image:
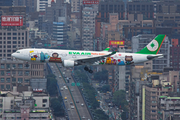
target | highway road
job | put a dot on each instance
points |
(83, 111)
(78, 100)
(72, 113)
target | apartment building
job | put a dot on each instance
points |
(6, 2)
(24, 105)
(17, 73)
(105, 8)
(88, 29)
(169, 108)
(10, 40)
(76, 5)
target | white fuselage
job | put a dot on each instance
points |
(54, 55)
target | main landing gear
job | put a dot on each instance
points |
(87, 69)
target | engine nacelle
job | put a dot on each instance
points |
(68, 63)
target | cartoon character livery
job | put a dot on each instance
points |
(70, 58)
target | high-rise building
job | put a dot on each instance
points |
(6, 2)
(17, 73)
(174, 54)
(41, 5)
(10, 40)
(122, 74)
(19, 2)
(88, 29)
(60, 33)
(76, 5)
(105, 8)
(140, 41)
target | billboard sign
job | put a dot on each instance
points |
(90, 2)
(38, 90)
(116, 43)
(11, 21)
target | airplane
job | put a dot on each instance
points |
(71, 58)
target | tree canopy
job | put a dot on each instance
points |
(52, 84)
(119, 99)
(56, 104)
(101, 76)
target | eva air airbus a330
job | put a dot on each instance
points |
(70, 58)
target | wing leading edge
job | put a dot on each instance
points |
(91, 60)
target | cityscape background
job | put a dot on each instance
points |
(146, 91)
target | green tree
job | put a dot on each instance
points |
(57, 107)
(52, 84)
(119, 98)
(102, 75)
(105, 88)
(101, 115)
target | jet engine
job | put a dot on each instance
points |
(69, 63)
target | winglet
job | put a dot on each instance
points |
(114, 52)
(106, 50)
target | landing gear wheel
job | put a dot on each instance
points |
(90, 71)
(86, 68)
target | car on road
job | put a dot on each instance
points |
(65, 87)
(65, 98)
(83, 117)
(68, 109)
(77, 101)
(71, 103)
(59, 76)
(61, 89)
(72, 90)
(72, 107)
(82, 104)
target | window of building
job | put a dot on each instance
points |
(2, 73)
(22, 33)
(2, 80)
(20, 80)
(14, 38)
(8, 73)
(8, 33)
(14, 42)
(153, 110)
(8, 80)
(2, 66)
(8, 87)
(20, 66)
(19, 38)
(26, 80)
(44, 100)
(14, 33)
(7, 66)
(2, 87)
(14, 66)
(20, 73)
(13, 79)
(9, 38)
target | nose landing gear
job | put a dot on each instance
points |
(87, 69)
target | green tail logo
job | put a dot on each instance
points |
(154, 46)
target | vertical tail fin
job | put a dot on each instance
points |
(154, 46)
(106, 50)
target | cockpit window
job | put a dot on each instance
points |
(17, 51)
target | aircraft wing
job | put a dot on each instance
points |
(91, 60)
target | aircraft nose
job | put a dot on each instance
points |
(13, 54)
